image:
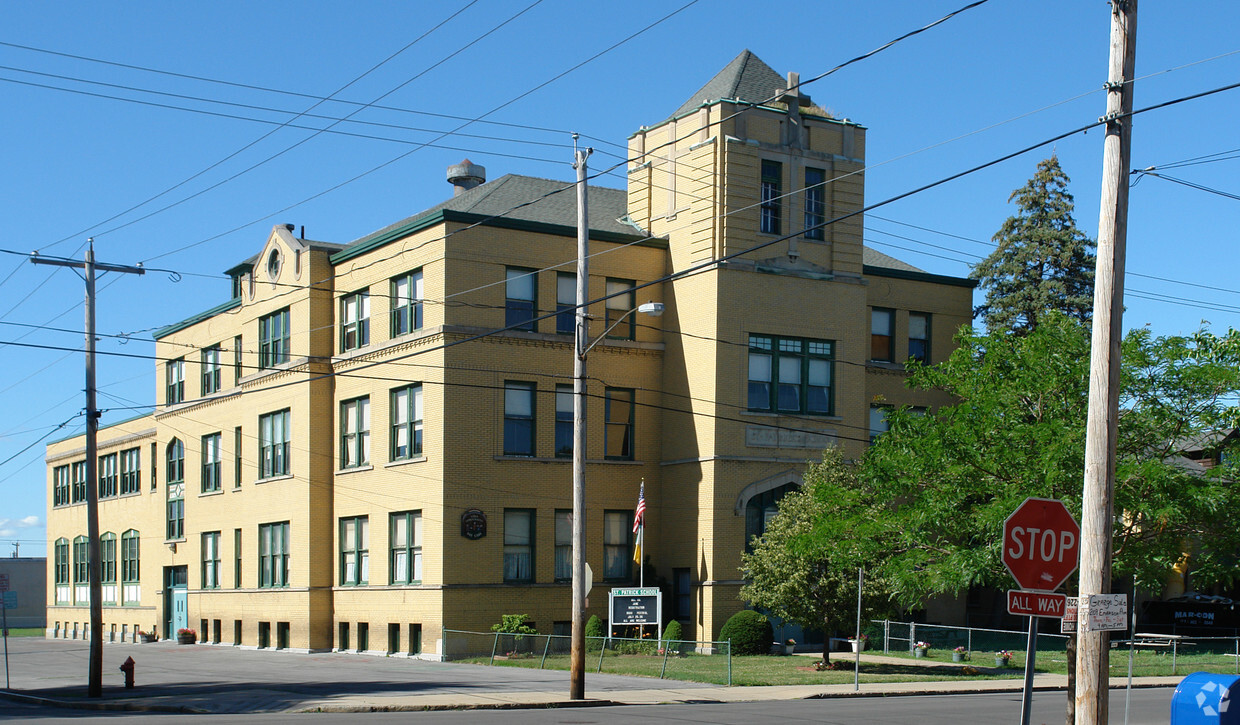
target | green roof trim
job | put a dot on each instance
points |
(919, 276)
(204, 315)
(442, 216)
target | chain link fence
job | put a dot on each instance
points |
(674, 659)
(901, 636)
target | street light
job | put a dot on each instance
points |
(577, 652)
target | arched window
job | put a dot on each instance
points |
(107, 566)
(176, 490)
(62, 570)
(81, 570)
(760, 509)
(176, 461)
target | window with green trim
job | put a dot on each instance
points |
(60, 485)
(354, 550)
(520, 298)
(273, 339)
(273, 556)
(211, 463)
(211, 560)
(791, 375)
(405, 535)
(131, 471)
(355, 321)
(176, 490)
(406, 303)
(107, 476)
(618, 431)
(406, 432)
(211, 369)
(355, 433)
(618, 309)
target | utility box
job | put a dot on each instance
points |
(1204, 697)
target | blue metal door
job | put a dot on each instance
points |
(180, 610)
(176, 599)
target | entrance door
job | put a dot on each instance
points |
(176, 599)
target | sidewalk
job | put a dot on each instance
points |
(213, 679)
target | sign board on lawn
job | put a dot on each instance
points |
(635, 605)
(1035, 604)
(1104, 612)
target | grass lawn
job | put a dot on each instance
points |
(759, 670)
(26, 631)
(1145, 662)
(798, 670)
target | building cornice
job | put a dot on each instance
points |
(919, 276)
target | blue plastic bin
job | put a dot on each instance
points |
(1204, 697)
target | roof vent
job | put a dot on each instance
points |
(466, 175)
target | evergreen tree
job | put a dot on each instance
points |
(1042, 262)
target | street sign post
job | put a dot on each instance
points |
(1041, 546)
(1035, 604)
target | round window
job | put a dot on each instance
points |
(273, 264)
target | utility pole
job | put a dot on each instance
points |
(577, 653)
(95, 685)
(1098, 498)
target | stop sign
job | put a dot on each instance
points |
(1041, 544)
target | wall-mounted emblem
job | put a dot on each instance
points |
(473, 524)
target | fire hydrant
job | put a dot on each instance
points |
(127, 668)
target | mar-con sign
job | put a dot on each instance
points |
(1041, 544)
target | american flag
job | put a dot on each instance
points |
(640, 514)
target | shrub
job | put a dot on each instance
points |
(750, 632)
(671, 636)
(594, 633)
(513, 624)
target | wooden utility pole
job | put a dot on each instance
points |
(95, 682)
(577, 648)
(1097, 503)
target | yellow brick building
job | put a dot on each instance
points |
(371, 442)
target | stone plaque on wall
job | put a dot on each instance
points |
(761, 436)
(473, 524)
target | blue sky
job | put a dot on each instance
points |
(994, 79)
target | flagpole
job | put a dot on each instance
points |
(641, 537)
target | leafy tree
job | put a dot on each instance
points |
(804, 567)
(1042, 261)
(1019, 431)
(952, 477)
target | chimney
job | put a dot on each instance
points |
(466, 175)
